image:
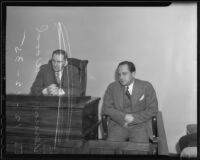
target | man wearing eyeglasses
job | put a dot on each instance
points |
(57, 77)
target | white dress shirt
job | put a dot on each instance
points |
(59, 75)
(130, 88)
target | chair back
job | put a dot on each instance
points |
(82, 67)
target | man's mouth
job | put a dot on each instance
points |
(122, 82)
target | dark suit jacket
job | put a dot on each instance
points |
(69, 83)
(144, 104)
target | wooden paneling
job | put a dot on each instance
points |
(33, 121)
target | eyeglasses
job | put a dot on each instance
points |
(59, 62)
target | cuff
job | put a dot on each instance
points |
(44, 91)
(61, 92)
(125, 124)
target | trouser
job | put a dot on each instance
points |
(133, 134)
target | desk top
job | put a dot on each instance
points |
(13, 100)
(27, 97)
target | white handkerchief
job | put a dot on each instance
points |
(141, 98)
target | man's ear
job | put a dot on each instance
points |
(133, 74)
(66, 62)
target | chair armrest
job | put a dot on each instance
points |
(154, 140)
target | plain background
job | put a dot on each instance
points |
(161, 41)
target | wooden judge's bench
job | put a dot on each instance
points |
(50, 124)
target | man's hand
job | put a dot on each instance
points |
(129, 118)
(52, 89)
(44, 91)
(61, 92)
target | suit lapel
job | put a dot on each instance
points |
(135, 92)
(121, 96)
(119, 90)
(65, 77)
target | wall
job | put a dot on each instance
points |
(161, 41)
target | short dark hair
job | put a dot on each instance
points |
(130, 65)
(62, 52)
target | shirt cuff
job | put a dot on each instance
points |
(61, 92)
(44, 91)
(125, 124)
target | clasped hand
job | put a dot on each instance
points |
(128, 119)
(52, 89)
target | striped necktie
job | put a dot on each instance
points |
(127, 92)
(127, 101)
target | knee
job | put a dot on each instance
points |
(139, 139)
(116, 138)
(117, 133)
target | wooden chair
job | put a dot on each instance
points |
(82, 67)
(158, 141)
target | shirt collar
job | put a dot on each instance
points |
(59, 73)
(130, 87)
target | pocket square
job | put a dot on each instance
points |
(141, 98)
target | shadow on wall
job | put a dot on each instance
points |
(178, 151)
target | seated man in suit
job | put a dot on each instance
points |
(130, 103)
(57, 77)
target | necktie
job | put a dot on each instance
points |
(127, 92)
(57, 74)
(127, 100)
